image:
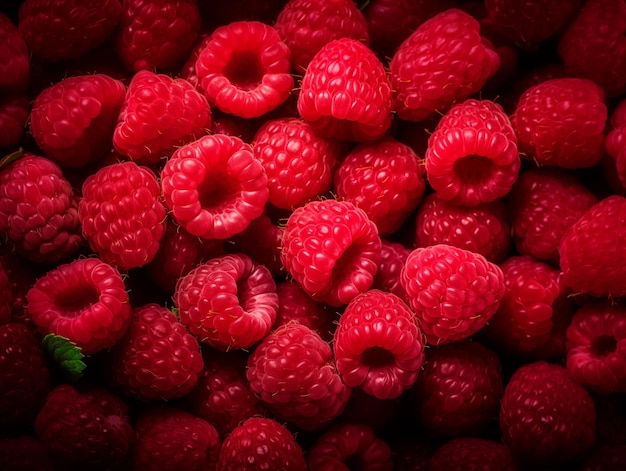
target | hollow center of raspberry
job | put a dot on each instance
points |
(72, 302)
(603, 345)
(244, 70)
(474, 169)
(216, 191)
(377, 357)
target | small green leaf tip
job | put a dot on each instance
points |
(67, 355)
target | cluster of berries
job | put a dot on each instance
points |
(313, 235)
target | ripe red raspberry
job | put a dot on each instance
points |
(73, 120)
(393, 258)
(261, 443)
(298, 163)
(345, 93)
(86, 429)
(170, 439)
(244, 69)
(542, 205)
(445, 60)
(534, 311)
(354, 445)
(459, 390)
(598, 57)
(159, 114)
(24, 453)
(482, 229)
(306, 26)
(378, 345)
(546, 417)
(156, 34)
(472, 155)
(14, 112)
(61, 30)
(39, 210)
(228, 302)
(157, 358)
(214, 186)
(14, 58)
(24, 377)
(454, 292)
(121, 214)
(293, 372)
(472, 454)
(332, 249)
(386, 179)
(560, 122)
(594, 346)
(84, 301)
(591, 261)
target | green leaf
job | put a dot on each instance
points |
(10, 158)
(66, 354)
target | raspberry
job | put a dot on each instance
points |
(244, 69)
(591, 262)
(378, 345)
(261, 443)
(459, 390)
(84, 301)
(62, 30)
(472, 155)
(445, 60)
(14, 112)
(293, 372)
(482, 229)
(169, 439)
(345, 93)
(214, 186)
(73, 120)
(156, 34)
(542, 205)
(594, 352)
(386, 179)
(545, 416)
(353, 445)
(453, 292)
(560, 122)
(393, 258)
(598, 57)
(86, 429)
(121, 214)
(159, 115)
(39, 210)
(14, 58)
(157, 358)
(332, 249)
(298, 163)
(306, 26)
(228, 302)
(24, 378)
(24, 453)
(472, 454)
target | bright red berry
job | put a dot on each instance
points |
(472, 454)
(14, 58)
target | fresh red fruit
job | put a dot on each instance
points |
(156, 34)
(453, 292)
(472, 454)
(228, 302)
(170, 439)
(214, 186)
(39, 210)
(261, 443)
(591, 261)
(472, 155)
(306, 26)
(244, 69)
(560, 122)
(73, 120)
(293, 372)
(157, 358)
(84, 301)
(24, 453)
(459, 390)
(378, 345)
(14, 112)
(546, 417)
(444, 61)
(121, 214)
(14, 58)
(24, 377)
(159, 114)
(85, 429)
(62, 30)
(393, 258)
(386, 179)
(332, 249)
(345, 93)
